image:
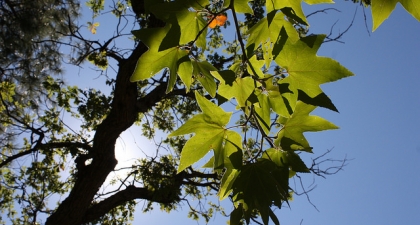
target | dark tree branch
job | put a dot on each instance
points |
(145, 103)
(90, 178)
(130, 193)
(337, 38)
(322, 11)
(305, 192)
(39, 146)
(331, 170)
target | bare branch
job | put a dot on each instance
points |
(331, 170)
(322, 11)
(337, 38)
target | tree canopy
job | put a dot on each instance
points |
(240, 101)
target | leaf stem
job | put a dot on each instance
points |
(244, 56)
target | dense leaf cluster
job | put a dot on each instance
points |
(242, 104)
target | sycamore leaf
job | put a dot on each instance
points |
(185, 69)
(210, 134)
(191, 24)
(236, 216)
(381, 10)
(286, 158)
(154, 60)
(228, 179)
(256, 65)
(241, 6)
(305, 70)
(270, 30)
(232, 86)
(277, 100)
(292, 8)
(203, 72)
(197, 4)
(185, 23)
(270, 99)
(259, 186)
(291, 135)
(156, 38)
(312, 2)
(263, 111)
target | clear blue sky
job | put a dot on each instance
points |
(379, 128)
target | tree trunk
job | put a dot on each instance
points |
(91, 177)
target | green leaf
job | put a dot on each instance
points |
(259, 186)
(228, 180)
(185, 23)
(232, 86)
(286, 158)
(191, 24)
(381, 10)
(312, 2)
(155, 59)
(210, 133)
(291, 135)
(203, 72)
(277, 100)
(185, 70)
(241, 6)
(292, 8)
(319, 100)
(155, 38)
(256, 65)
(305, 70)
(236, 216)
(273, 217)
(197, 4)
(263, 111)
(152, 62)
(269, 31)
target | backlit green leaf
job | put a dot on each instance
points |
(305, 70)
(293, 8)
(155, 59)
(261, 185)
(291, 135)
(263, 111)
(381, 10)
(210, 134)
(227, 181)
(241, 6)
(237, 87)
(269, 31)
(312, 2)
(286, 158)
(277, 100)
(152, 62)
(203, 72)
(185, 23)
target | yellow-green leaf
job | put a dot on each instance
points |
(305, 71)
(237, 87)
(381, 9)
(203, 72)
(210, 134)
(291, 135)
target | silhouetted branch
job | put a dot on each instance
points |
(322, 11)
(337, 38)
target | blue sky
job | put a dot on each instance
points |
(379, 128)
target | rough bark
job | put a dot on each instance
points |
(91, 177)
(77, 207)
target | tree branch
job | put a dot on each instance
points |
(130, 193)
